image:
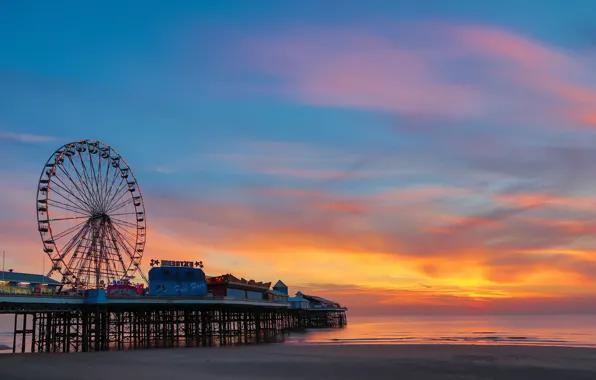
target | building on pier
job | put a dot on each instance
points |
(279, 293)
(26, 283)
(168, 280)
(99, 323)
(281, 287)
(298, 303)
(229, 286)
(316, 302)
(236, 311)
(276, 296)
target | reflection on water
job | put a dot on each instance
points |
(6, 327)
(550, 330)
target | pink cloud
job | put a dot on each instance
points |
(504, 45)
(364, 71)
(428, 71)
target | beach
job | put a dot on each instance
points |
(287, 361)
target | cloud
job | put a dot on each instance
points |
(385, 240)
(461, 72)
(25, 138)
(363, 301)
(518, 267)
(299, 161)
(372, 235)
(163, 169)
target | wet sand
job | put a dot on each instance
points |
(286, 361)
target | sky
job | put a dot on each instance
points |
(399, 157)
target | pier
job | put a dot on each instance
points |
(96, 303)
(84, 324)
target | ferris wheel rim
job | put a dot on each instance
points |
(113, 158)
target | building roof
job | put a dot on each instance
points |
(232, 281)
(280, 284)
(320, 300)
(27, 277)
(297, 299)
(276, 293)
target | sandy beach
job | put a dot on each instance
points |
(284, 361)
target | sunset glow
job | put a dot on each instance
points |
(398, 165)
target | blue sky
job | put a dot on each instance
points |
(338, 128)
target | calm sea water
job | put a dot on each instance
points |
(546, 330)
(549, 330)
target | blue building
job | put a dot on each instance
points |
(279, 293)
(281, 287)
(315, 302)
(177, 281)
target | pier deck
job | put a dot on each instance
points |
(70, 324)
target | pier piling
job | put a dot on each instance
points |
(84, 328)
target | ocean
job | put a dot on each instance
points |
(542, 330)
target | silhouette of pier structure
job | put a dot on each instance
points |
(83, 324)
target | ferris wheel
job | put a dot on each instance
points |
(91, 215)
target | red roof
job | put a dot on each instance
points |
(232, 280)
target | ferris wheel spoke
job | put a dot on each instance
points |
(129, 242)
(101, 257)
(123, 222)
(83, 187)
(97, 178)
(113, 234)
(109, 182)
(121, 205)
(128, 249)
(117, 194)
(125, 230)
(130, 239)
(70, 218)
(99, 182)
(106, 180)
(114, 254)
(87, 181)
(113, 187)
(123, 213)
(64, 206)
(84, 201)
(68, 231)
(94, 174)
(116, 258)
(75, 241)
(86, 247)
(80, 187)
(70, 206)
(117, 206)
(67, 207)
(108, 189)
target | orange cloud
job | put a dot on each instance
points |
(588, 118)
(381, 244)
